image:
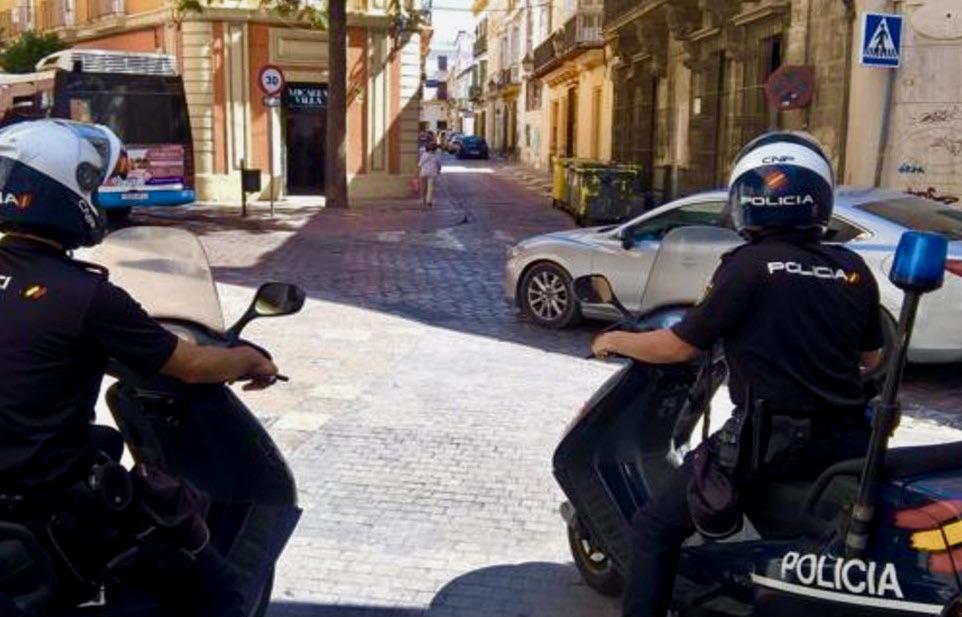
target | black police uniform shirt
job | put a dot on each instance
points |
(794, 316)
(59, 322)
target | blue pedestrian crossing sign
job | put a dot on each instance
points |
(881, 40)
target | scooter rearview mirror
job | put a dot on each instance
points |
(271, 300)
(276, 299)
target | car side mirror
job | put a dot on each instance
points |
(595, 289)
(271, 300)
(627, 239)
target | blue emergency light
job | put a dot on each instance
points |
(919, 264)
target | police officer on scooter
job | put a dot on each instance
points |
(798, 320)
(61, 321)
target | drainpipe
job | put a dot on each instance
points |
(850, 14)
(886, 119)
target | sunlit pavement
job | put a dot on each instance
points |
(421, 413)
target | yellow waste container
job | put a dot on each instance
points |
(559, 184)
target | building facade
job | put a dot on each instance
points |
(461, 77)
(481, 86)
(220, 52)
(575, 90)
(689, 77)
(435, 98)
(920, 149)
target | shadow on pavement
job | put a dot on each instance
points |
(442, 266)
(534, 589)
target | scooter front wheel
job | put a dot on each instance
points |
(595, 566)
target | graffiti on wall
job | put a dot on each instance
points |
(911, 168)
(927, 146)
(924, 154)
(933, 194)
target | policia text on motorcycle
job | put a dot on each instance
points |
(798, 320)
(62, 320)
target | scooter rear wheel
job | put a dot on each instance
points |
(595, 566)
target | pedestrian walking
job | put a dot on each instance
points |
(429, 168)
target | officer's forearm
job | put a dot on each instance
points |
(196, 364)
(656, 347)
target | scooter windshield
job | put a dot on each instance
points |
(165, 269)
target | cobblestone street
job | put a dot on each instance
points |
(422, 411)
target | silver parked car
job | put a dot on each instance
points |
(658, 273)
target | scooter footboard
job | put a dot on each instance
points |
(614, 457)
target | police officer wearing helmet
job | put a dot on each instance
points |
(798, 320)
(62, 320)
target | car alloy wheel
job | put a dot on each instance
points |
(548, 297)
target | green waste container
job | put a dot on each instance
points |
(560, 186)
(605, 193)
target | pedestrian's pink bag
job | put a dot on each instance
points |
(414, 186)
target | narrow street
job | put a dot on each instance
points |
(422, 411)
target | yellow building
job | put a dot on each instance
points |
(576, 98)
(220, 53)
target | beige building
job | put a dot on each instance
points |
(576, 92)
(220, 53)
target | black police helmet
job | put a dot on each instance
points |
(49, 170)
(781, 181)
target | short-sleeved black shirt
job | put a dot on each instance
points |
(794, 316)
(59, 322)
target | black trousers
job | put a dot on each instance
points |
(663, 524)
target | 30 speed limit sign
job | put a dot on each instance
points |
(271, 80)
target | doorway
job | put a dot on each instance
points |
(571, 127)
(305, 126)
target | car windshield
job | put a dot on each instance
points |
(472, 141)
(919, 214)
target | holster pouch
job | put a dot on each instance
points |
(122, 523)
(172, 527)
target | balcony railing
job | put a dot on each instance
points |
(584, 29)
(480, 46)
(615, 10)
(98, 9)
(55, 14)
(510, 76)
(543, 54)
(581, 31)
(16, 21)
(475, 92)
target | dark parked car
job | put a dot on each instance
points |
(473, 148)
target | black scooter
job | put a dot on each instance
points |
(205, 434)
(871, 536)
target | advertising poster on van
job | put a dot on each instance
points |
(153, 167)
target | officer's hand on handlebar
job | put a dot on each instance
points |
(603, 345)
(261, 371)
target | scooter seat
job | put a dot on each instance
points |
(787, 508)
(776, 509)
